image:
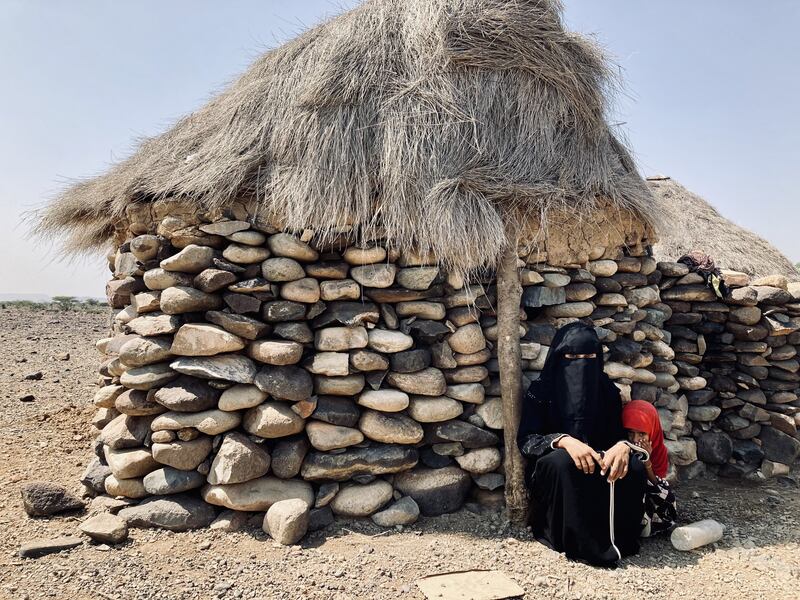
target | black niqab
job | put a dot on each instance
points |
(574, 396)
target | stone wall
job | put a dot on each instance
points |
(247, 365)
(738, 370)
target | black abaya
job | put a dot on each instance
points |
(570, 510)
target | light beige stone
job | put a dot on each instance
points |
(357, 500)
(343, 289)
(421, 309)
(192, 259)
(304, 290)
(375, 276)
(364, 256)
(384, 340)
(335, 339)
(384, 400)
(282, 269)
(210, 422)
(287, 245)
(472, 393)
(275, 352)
(434, 409)
(258, 494)
(245, 255)
(272, 420)
(324, 436)
(241, 396)
(390, 428)
(201, 339)
(467, 339)
(491, 411)
(141, 351)
(329, 363)
(417, 278)
(480, 460)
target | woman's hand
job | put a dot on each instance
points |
(582, 455)
(615, 461)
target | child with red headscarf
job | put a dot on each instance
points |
(640, 419)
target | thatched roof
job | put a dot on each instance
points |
(438, 122)
(692, 224)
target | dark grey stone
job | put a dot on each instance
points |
(410, 361)
(337, 410)
(436, 491)
(176, 513)
(779, 447)
(535, 296)
(714, 447)
(187, 394)
(94, 476)
(347, 313)
(295, 331)
(747, 451)
(320, 518)
(468, 434)
(425, 331)
(43, 498)
(241, 303)
(378, 459)
(283, 310)
(285, 382)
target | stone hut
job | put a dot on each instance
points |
(736, 356)
(329, 281)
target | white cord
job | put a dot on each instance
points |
(611, 519)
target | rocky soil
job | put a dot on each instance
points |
(48, 437)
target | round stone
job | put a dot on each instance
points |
(275, 352)
(272, 420)
(245, 255)
(201, 339)
(187, 394)
(160, 279)
(348, 385)
(167, 480)
(384, 340)
(258, 494)
(603, 268)
(282, 269)
(249, 238)
(284, 244)
(364, 256)
(421, 309)
(141, 351)
(127, 488)
(147, 377)
(433, 409)
(403, 512)
(324, 436)
(436, 491)
(576, 310)
(384, 400)
(374, 276)
(210, 422)
(345, 289)
(480, 460)
(356, 500)
(467, 339)
(241, 396)
(304, 290)
(337, 339)
(286, 521)
(428, 382)
(390, 428)
(417, 278)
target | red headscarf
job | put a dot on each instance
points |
(640, 415)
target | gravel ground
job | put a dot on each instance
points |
(49, 438)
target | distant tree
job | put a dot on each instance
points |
(91, 302)
(65, 302)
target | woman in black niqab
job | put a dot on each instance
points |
(571, 416)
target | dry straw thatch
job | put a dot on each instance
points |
(437, 122)
(692, 224)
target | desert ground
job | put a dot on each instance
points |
(49, 438)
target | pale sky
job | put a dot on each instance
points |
(711, 99)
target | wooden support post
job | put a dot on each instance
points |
(509, 294)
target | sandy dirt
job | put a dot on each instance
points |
(49, 438)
